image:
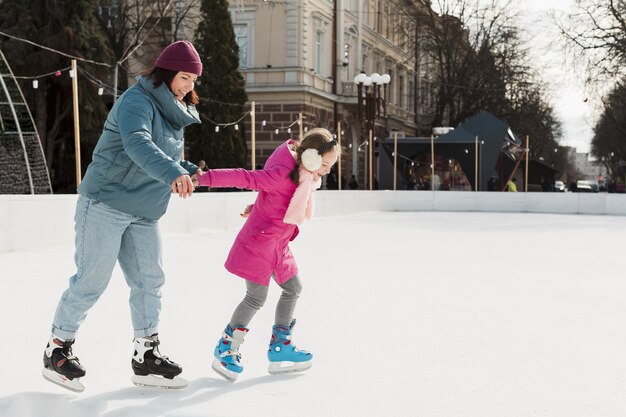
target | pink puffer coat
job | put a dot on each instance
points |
(261, 248)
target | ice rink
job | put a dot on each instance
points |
(429, 314)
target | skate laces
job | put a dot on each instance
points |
(66, 348)
(234, 343)
(231, 353)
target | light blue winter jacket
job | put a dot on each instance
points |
(138, 154)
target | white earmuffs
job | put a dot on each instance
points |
(311, 159)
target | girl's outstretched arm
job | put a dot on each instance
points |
(259, 180)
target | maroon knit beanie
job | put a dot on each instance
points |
(180, 56)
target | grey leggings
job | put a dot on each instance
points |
(255, 298)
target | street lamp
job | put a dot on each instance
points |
(369, 102)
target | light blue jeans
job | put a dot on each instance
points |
(103, 236)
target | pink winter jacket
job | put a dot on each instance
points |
(261, 248)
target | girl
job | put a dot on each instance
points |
(135, 167)
(261, 250)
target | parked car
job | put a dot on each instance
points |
(586, 187)
(559, 186)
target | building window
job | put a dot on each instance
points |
(411, 96)
(391, 88)
(320, 40)
(401, 91)
(366, 52)
(378, 63)
(386, 21)
(319, 47)
(241, 37)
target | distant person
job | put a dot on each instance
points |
(353, 184)
(573, 187)
(437, 182)
(512, 185)
(286, 187)
(492, 184)
(332, 182)
(411, 183)
(135, 168)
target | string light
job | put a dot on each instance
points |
(279, 128)
(101, 88)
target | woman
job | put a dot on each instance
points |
(135, 167)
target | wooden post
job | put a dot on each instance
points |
(526, 170)
(76, 122)
(370, 145)
(395, 159)
(253, 137)
(338, 156)
(476, 166)
(432, 162)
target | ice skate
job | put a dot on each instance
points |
(227, 360)
(152, 370)
(61, 367)
(283, 355)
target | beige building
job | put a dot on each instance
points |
(301, 57)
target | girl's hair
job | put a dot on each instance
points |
(319, 139)
(159, 76)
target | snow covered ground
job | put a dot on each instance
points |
(407, 314)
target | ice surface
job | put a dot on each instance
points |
(407, 314)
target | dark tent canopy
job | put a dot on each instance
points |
(495, 139)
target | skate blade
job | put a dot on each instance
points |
(224, 372)
(157, 381)
(286, 367)
(56, 378)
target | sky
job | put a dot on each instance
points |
(416, 314)
(573, 104)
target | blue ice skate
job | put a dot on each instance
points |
(227, 360)
(283, 355)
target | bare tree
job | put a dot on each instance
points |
(596, 35)
(477, 61)
(138, 28)
(479, 58)
(608, 142)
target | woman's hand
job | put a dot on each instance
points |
(183, 186)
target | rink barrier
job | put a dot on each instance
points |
(31, 221)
